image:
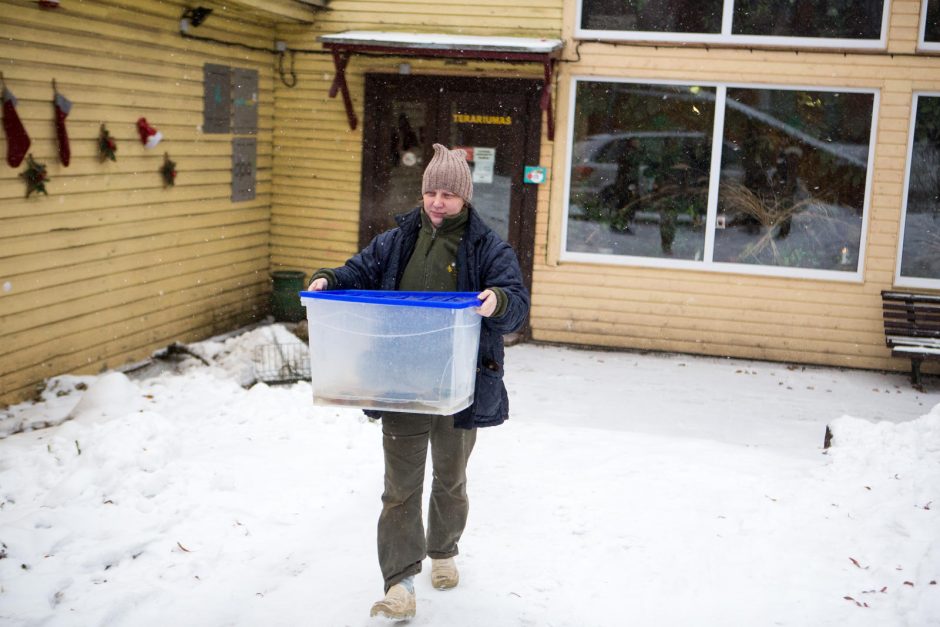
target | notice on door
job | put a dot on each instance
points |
(484, 160)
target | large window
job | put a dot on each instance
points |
(667, 16)
(828, 23)
(930, 25)
(640, 169)
(919, 253)
(792, 187)
(753, 179)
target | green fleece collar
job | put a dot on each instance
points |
(449, 224)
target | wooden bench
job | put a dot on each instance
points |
(912, 327)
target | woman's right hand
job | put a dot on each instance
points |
(317, 285)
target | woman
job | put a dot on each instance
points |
(443, 245)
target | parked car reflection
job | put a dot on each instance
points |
(607, 167)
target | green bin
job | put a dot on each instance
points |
(285, 300)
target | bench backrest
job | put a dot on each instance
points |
(911, 315)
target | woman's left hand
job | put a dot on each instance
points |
(489, 303)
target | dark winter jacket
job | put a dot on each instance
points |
(484, 260)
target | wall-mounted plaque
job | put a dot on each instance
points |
(244, 101)
(244, 168)
(217, 98)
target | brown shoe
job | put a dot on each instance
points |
(444, 575)
(398, 604)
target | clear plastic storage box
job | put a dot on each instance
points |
(395, 351)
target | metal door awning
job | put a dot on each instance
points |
(512, 49)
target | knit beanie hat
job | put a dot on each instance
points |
(448, 170)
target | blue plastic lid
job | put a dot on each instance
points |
(441, 300)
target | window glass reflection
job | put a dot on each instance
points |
(793, 175)
(818, 19)
(920, 255)
(668, 16)
(405, 156)
(832, 19)
(932, 23)
(639, 171)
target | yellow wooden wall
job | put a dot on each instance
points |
(110, 265)
(317, 158)
(317, 165)
(809, 321)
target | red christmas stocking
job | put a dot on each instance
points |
(62, 107)
(17, 139)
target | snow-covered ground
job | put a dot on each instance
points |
(626, 489)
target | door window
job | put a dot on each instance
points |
(491, 133)
(496, 121)
(405, 155)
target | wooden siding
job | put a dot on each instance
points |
(520, 18)
(110, 266)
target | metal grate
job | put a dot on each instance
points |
(277, 363)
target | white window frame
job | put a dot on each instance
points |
(899, 279)
(707, 263)
(922, 43)
(727, 38)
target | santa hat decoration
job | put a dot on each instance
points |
(149, 136)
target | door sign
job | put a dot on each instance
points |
(484, 159)
(534, 175)
(463, 118)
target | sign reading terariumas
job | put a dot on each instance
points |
(466, 118)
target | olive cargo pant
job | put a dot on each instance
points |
(401, 538)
